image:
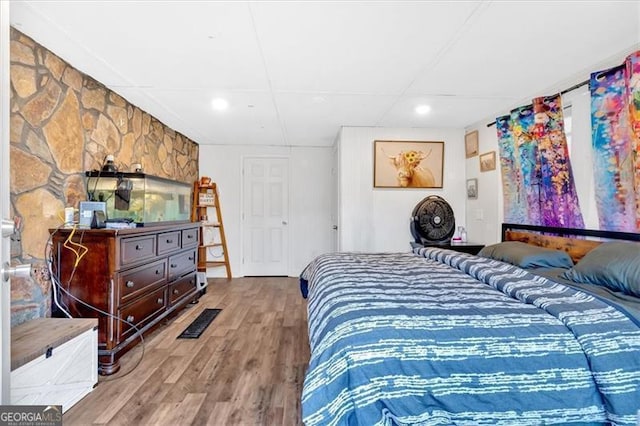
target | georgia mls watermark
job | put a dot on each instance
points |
(30, 415)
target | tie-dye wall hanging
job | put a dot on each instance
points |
(615, 126)
(517, 174)
(538, 184)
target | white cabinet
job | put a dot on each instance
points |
(54, 361)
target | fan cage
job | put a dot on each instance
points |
(433, 221)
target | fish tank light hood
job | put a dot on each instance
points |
(139, 197)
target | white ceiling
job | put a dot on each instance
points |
(294, 72)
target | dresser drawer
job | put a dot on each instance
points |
(136, 281)
(135, 249)
(141, 311)
(182, 288)
(180, 264)
(189, 237)
(168, 241)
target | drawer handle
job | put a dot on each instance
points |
(130, 284)
(190, 257)
(160, 301)
(176, 291)
(139, 247)
(169, 241)
(130, 318)
(157, 271)
(189, 236)
(174, 265)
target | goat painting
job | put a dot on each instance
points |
(408, 164)
(409, 172)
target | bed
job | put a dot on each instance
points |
(438, 337)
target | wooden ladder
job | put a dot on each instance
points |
(205, 196)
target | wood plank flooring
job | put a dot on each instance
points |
(247, 368)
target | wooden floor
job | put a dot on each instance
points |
(246, 369)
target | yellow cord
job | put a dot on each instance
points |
(80, 252)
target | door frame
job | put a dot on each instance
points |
(243, 159)
(335, 198)
(5, 287)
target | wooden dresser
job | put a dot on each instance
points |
(136, 276)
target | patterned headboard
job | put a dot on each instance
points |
(576, 242)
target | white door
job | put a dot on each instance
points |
(265, 225)
(5, 293)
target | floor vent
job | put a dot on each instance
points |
(200, 324)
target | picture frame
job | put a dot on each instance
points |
(488, 161)
(408, 164)
(472, 189)
(471, 144)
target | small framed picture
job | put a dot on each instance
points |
(471, 144)
(488, 161)
(472, 189)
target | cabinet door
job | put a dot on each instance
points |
(181, 263)
(168, 241)
(182, 288)
(141, 311)
(136, 249)
(135, 282)
(189, 237)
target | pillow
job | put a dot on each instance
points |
(613, 265)
(526, 255)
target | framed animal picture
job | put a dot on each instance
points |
(488, 161)
(471, 144)
(408, 164)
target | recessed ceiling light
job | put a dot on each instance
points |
(219, 104)
(423, 109)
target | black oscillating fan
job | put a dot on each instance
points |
(432, 221)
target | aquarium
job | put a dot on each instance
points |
(139, 197)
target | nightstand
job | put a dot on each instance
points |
(471, 248)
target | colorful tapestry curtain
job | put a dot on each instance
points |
(519, 173)
(615, 126)
(538, 184)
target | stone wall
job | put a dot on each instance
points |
(63, 123)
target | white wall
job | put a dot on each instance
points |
(377, 219)
(310, 192)
(484, 215)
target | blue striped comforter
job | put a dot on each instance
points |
(440, 337)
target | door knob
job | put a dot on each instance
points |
(8, 228)
(284, 222)
(22, 271)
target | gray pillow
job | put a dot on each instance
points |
(613, 265)
(526, 255)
